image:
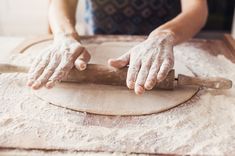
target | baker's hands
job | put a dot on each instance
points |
(56, 61)
(149, 62)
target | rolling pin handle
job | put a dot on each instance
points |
(214, 82)
(10, 68)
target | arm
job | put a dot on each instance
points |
(62, 17)
(151, 60)
(58, 59)
(189, 22)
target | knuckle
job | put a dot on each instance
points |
(31, 77)
(41, 66)
(57, 56)
(170, 60)
(67, 66)
(86, 54)
(162, 42)
(77, 47)
(38, 72)
(159, 58)
(59, 71)
(154, 69)
(49, 72)
(166, 65)
(143, 73)
(133, 69)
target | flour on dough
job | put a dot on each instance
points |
(115, 100)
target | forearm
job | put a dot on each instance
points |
(62, 17)
(192, 18)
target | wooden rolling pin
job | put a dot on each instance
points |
(101, 74)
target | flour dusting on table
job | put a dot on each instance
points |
(204, 125)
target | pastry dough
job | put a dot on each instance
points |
(115, 100)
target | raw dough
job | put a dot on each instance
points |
(114, 100)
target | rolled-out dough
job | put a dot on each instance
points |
(115, 100)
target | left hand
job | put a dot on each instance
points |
(149, 62)
(56, 61)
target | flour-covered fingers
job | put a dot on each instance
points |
(49, 70)
(121, 61)
(68, 57)
(132, 73)
(31, 77)
(152, 75)
(36, 61)
(38, 68)
(166, 66)
(61, 71)
(142, 76)
(82, 60)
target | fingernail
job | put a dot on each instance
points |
(139, 90)
(148, 87)
(130, 84)
(36, 85)
(50, 84)
(82, 66)
(29, 83)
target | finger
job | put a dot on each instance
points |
(61, 71)
(66, 64)
(32, 68)
(49, 70)
(35, 63)
(142, 76)
(121, 61)
(82, 60)
(37, 68)
(132, 73)
(166, 66)
(152, 75)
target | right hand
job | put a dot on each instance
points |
(56, 61)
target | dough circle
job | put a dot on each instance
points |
(115, 100)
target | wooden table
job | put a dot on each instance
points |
(52, 130)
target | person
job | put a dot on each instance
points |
(149, 61)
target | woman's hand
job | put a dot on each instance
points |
(56, 61)
(149, 62)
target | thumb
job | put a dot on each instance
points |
(121, 61)
(82, 60)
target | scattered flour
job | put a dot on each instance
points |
(203, 125)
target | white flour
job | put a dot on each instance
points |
(204, 125)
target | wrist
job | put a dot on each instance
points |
(63, 35)
(167, 34)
